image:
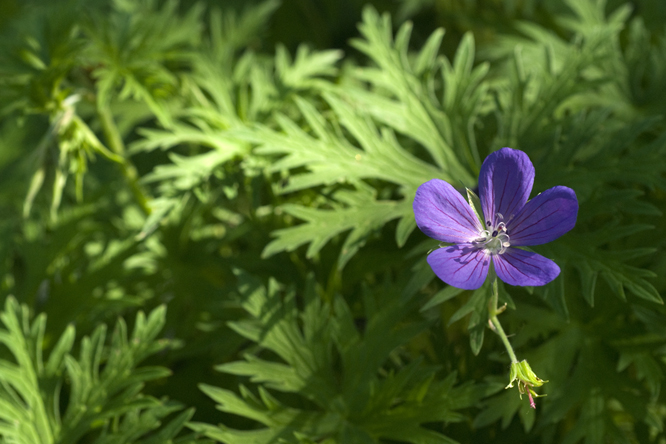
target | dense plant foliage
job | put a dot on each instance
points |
(253, 194)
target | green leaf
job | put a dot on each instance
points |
(350, 403)
(442, 296)
(363, 216)
(102, 387)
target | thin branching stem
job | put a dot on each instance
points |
(493, 311)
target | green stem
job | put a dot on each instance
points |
(115, 142)
(493, 310)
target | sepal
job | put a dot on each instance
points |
(522, 373)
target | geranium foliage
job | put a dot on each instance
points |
(245, 172)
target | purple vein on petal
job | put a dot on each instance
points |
(511, 205)
(518, 267)
(514, 256)
(442, 213)
(524, 217)
(463, 265)
(514, 228)
(505, 182)
(464, 235)
(545, 218)
(455, 207)
(469, 261)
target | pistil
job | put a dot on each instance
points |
(496, 239)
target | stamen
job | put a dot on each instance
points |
(499, 218)
(495, 242)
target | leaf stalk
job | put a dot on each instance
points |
(115, 142)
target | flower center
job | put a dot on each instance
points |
(496, 238)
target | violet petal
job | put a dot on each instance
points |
(505, 182)
(545, 218)
(443, 214)
(463, 266)
(524, 268)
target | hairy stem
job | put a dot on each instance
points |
(493, 310)
(115, 142)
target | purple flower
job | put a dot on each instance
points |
(509, 221)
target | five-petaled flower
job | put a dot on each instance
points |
(509, 221)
